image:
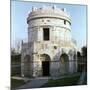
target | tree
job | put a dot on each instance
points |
(84, 51)
(84, 57)
(78, 54)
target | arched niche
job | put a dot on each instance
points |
(64, 63)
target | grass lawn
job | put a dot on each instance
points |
(69, 81)
(16, 83)
(85, 80)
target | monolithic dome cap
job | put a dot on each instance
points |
(46, 11)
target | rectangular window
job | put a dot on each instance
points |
(65, 22)
(46, 33)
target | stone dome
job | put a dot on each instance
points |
(49, 12)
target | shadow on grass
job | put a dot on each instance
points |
(16, 83)
(67, 81)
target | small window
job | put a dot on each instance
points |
(65, 22)
(46, 33)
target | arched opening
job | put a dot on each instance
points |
(64, 64)
(45, 64)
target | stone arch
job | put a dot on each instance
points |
(64, 57)
(70, 52)
(45, 58)
(64, 63)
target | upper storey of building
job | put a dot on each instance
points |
(48, 12)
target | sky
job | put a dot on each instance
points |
(19, 13)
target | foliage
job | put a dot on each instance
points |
(78, 54)
(16, 65)
(84, 51)
(16, 59)
(82, 59)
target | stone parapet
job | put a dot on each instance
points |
(50, 13)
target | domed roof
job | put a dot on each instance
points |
(48, 12)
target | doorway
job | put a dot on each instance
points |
(45, 68)
(45, 58)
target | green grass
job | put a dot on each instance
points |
(85, 80)
(69, 81)
(16, 83)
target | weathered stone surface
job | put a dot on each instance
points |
(48, 45)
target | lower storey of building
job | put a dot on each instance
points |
(48, 68)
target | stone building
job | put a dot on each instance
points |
(50, 50)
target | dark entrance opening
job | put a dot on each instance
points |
(46, 33)
(45, 68)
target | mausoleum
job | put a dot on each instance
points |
(50, 50)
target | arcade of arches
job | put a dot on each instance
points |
(46, 64)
